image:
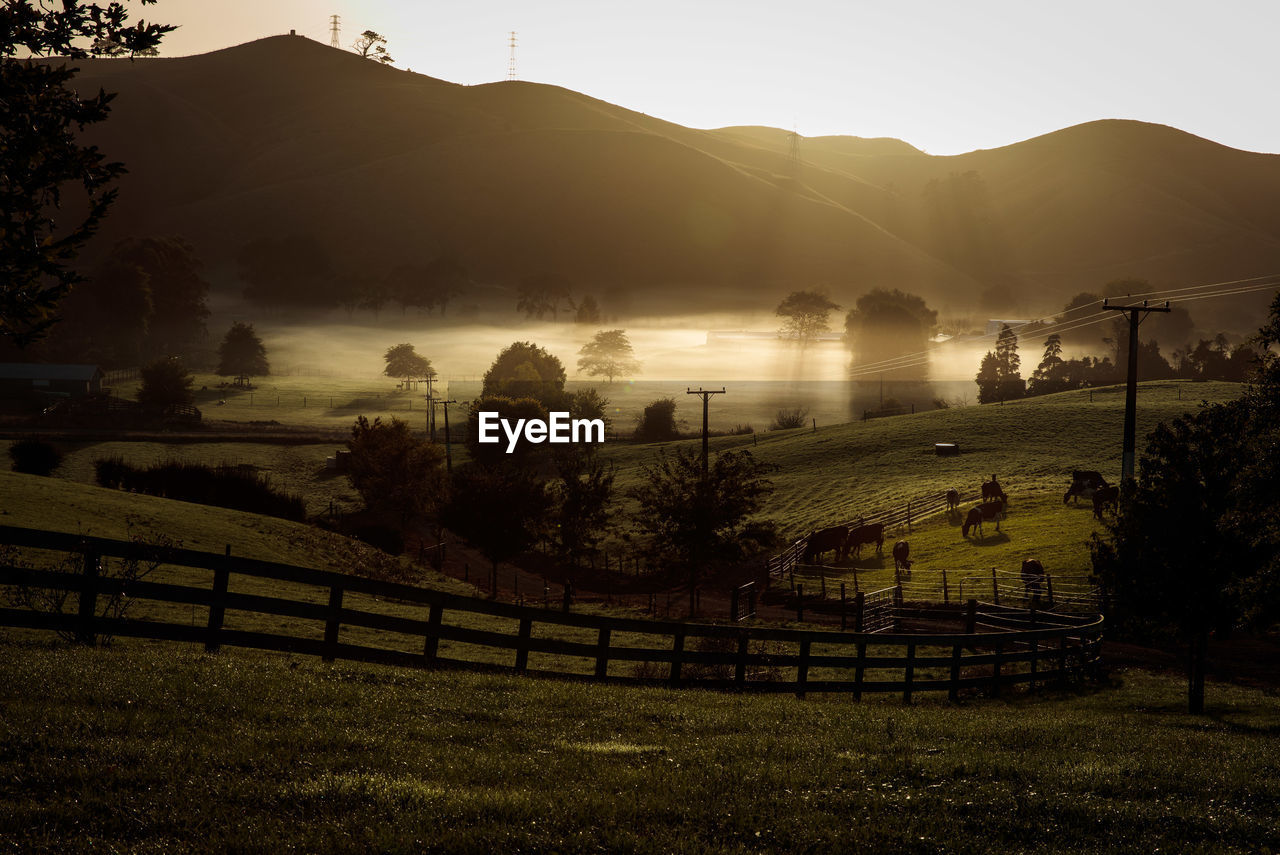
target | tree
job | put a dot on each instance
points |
(511, 409)
(1047, 377)
(166, 384)
(807, 314)
(242, 354)
(1077, 319)
(886, 325)
(607, 355)
(588, 311)
(583, 490)
(698, 520)
(542, 293)
(658, 422)
(55, 191)
(395, 472)
(373, 46)
(499, 510)
(403, 361)
(998, 378)
(1195, 545)
(525, 370)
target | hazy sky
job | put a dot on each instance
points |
(945, 75)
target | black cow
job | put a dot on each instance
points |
(1033, 580)
(991, 490)
(1084, 482)
(984, 512)
(827, 540)
(902, 557)
(1103, 498)
(953, 499)
(873, 533)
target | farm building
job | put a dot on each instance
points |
(18, 379)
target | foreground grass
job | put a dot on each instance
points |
(150, 747)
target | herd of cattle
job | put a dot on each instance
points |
(847, 540)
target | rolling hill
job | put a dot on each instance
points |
(287, 136)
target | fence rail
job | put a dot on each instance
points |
(1023, 648)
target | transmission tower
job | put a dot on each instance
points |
(511, 60)
(334, 20)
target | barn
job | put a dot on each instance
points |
(19, 379)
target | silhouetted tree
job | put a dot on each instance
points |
(885, 325)
(701, 520)
(542, 294)
(513, 410)
(1079, 319)
(403, 361)
(807, 314)
(588, 311)
(499, 510)
(583, 490)
(525, 370)
(394, 471)
(370, 45)
(607, 355)
(242, 354)
(43, 162)
(166, 384)
(1047, 377)
(657, 423)
(998, 376)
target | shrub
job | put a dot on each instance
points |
(34, 457)
(658, 423)
(225, 486)
(788, 419)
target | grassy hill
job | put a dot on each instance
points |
(287, 136)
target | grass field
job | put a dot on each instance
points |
(146, 747)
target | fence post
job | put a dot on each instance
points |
(859, 603)
(1048, 578)
(218, 604)
(522, 645)
(88, 598)
(677, 652)
(971, 617)
(602, 654)
(995, 588)
(733, 605)
(843, 606)
(431, 645)
(911, 670)
(333, 624)
(897, 596)
(800, 603)
(802, 669)
(946, 599)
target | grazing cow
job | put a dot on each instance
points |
(1084, 483)
(1105, 497)
(1033, 580)
(991, 490)
(902, 557)
(953, 499)
(984, 512)
(827, 540)
(873, 533)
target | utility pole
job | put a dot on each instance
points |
(1131, 387)
(706, 397)
(448, 450)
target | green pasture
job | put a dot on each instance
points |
(153, 747)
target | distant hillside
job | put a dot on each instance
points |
(287, 136)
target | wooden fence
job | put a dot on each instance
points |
(1019, 647)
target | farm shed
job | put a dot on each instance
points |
(73, 381)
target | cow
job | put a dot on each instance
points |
(872, 533)
(1084, 482)
(953, 499)
(827, 540)
(902, 557)
(991, 490)
(1032, 580)
(1103, 498)
(982, 513)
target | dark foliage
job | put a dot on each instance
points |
(583, 490)
(242, 353)
(41, 155)
(513, 410)
(525, 370)
(225, 486)
(789, 419)
(499, 510)
(658, 422)
(166, 385)
(395, 472)
(887, 324)
(34, 457)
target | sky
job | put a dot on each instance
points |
(947, 76)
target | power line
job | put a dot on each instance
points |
(334, 22)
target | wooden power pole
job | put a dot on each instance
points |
(1131, 386)
(706, 397)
